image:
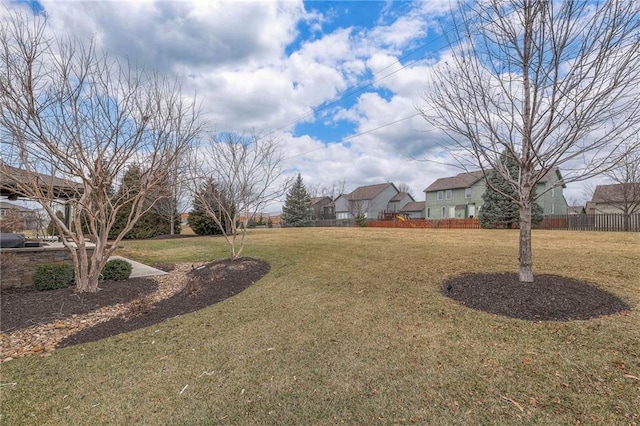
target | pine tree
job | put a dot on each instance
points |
(498, 210)
(199, 220)
(297, 205)
(150, 224)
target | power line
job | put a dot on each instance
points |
(355, 136)
(361, 88)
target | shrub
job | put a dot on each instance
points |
(52, 276)
(116, 270)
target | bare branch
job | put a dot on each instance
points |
(73, 120)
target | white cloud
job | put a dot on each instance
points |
(236, 57)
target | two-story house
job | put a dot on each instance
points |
(457, 196)
(370, 201)
(460, 196)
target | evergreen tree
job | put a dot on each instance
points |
(150, 224)
(297, 205)
(498, 209)
(200, 220)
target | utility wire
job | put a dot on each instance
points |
(358, 89)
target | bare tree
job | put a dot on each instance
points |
(248, 176)
(404, 187)
(553, 84)
(68, 110)
(11, 221)
(172, 197)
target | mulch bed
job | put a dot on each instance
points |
(208, 284)
(548, 298)
(22, 308)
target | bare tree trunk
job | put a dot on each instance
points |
(525, 253)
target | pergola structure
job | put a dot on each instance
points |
(14, 184)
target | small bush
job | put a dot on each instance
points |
(116, 270)
(52, 276)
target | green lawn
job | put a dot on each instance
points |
(350, 327)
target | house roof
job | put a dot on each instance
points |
(465, 180)
(616, 193)
(10, 206)
(575, 209)
(316, 200)
(368, 192)
(461, 180)
(13, 178)
(414, 206)
(401, 196)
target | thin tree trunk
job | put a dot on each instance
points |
(525, 254)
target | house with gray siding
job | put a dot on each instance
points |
(460, 196)
(371, 201)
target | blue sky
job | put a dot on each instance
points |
(338, 83)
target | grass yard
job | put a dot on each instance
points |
(350, 327)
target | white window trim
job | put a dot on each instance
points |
(443, 212)
(448, 194)
(467, 193)
(440, 195)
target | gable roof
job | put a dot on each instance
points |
(616, 193)
(465, 180)
(316, 200)
(461, 180)
(401, 196)
(414, 206)
(368, 192)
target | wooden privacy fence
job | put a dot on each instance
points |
(426, 223)
(569, 222)
(592, 222)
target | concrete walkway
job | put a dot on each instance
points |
(139, 269)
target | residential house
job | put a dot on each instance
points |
(575, 210)
(17, 217)
(617, 198)
(399, 201)
(322, 208)
(413, 210)
(460, 196)
(457, 196)
(370, 201)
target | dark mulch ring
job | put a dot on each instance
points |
(549, 298)
(206, 285)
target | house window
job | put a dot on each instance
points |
(444, 211)
(440, 195)
(449, 194)
(553, 206)
(553, 191)
(467, 193)
(428, 212)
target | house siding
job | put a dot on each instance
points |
(433, 206)
(459, 207)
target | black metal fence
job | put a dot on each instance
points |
(593, 222)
